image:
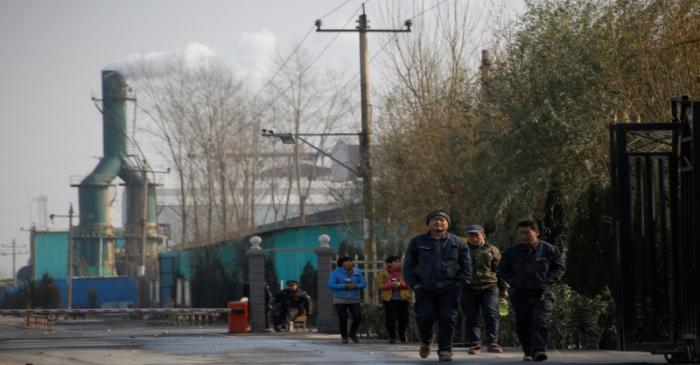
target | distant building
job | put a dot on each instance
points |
(277, 202)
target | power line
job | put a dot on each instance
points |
(381, 49)
(14, 254)
(336, 8)
(298, 46)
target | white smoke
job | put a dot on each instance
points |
(251, 57)
(255, 55)
(156, 64)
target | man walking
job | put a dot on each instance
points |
(436, 266)
(482, 293)
(531, 267)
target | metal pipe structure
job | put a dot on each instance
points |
(95, 247)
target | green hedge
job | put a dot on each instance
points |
(578, 322)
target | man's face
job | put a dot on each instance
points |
(348, 265)
(438, 225)
(475, 238)
(528, 235)
(293, 287)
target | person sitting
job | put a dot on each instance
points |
(290, 304)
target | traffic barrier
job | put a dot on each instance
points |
(174, 316)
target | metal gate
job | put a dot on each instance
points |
(657, 246)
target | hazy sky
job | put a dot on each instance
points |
(52, 52)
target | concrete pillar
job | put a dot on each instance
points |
(326, 320)
(256, 280)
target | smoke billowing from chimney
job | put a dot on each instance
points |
(155, 64)
(250, 57)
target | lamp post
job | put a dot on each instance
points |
(69, 276)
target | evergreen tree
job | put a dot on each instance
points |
(590, 260)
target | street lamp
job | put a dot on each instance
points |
(69, 276)
(324, 239)
(291, 138)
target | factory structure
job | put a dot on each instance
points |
(99, 265)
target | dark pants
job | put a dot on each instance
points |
(431, 306)
(533, 313)
(485, 300)
(285, 314)
(343, 310)
(396, 311)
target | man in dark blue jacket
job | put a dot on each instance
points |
(531, 267)
(436, 266)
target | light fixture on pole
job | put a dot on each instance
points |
(291, 138)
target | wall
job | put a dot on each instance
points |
(289, 265)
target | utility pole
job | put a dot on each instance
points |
(14, 254)
(69, 279)
(142, 268)
(369, 221)
(69, 276)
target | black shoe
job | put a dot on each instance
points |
(392, 341)
(424, 350)
(402, 339)
(444, 356)
(344, 340)
(354, 339)
(539, 356)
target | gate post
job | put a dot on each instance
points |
(326, 321)
(256, 282)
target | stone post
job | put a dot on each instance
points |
(326, 320)
(256, 281)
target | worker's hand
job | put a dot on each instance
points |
(503, 293)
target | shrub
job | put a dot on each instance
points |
(578, 322)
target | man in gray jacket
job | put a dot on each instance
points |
(436, 266)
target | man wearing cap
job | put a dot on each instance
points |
(482, 292)
(291, 303)
(436, 266)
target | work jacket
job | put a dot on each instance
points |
(531, 269)
(485, 259)
(295, 299)
(437, 265)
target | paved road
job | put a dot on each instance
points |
(127, 342)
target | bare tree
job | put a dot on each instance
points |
(308, 100)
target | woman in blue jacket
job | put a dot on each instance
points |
(345, 283)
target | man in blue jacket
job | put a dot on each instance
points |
(531, 267)
(436, 266)
(345, 283)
